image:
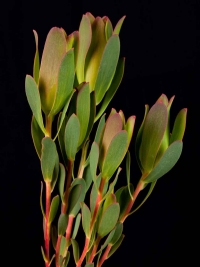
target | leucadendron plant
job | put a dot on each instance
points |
(70, 90)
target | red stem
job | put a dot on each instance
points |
(105, 255)
(94, 249)
(69, 227)
(57, 250)
(98, 201)
(87, 240)
(85, 250)
(135, 194)
(47, 226)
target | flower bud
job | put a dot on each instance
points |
(157, 150)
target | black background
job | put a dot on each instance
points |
(161, 43)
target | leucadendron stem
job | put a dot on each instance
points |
(47, 225)
(136, 192)
(93, 220)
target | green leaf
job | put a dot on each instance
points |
(36, 65)
(54, 236)
(61, 181)
(100, 129)
(48, 158)
(119, 25)
(66, 260)
(74, 197)
(113, 87)
(110, 199)
(139, 138)
(86, 219)
(92, 238)
(72, 133)
(129, 127)
(128, 169)
(152, 185)
(107, 241)
(90, 16)
(166, 163)
(61, 135)
(116, 246)
(119, 192)
(87, 176)
(76, 251)
(94, 55)
(94, 157)
(63, 114)
(83, 110)
(33, 98)
(179, 126)
(109, 219)
(37, 136)
(92, 115)
(53, 53)
(113, 126)
(123, 197)
(80, 182)
(107, 67)
(117, 233)
(62, 224)
(85, 37)
(89, 265)
(53, 208)
(153, 132)
(63, 245)
(76, 225)
(55, 174)
(65, 82)
(108, 28)
(41, 205)
(43, 255)
(115, 154)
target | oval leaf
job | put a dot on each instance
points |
(76, 226)
(65, 82)
(76, 251)
(179, 126)
(34, 101)
(107, 67)
(37, 136)
(62, 224)
(115, 154)
(53, 53)
(109, 219)
(85, 37)
(139, 137)
(61, 182)
(166, 163)
(74, 197)
(83, 110)
(48, 158)
(80, 182)
(153, 132)
(113, 87)
(86, 219)
(72, 133)
(54, 208)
